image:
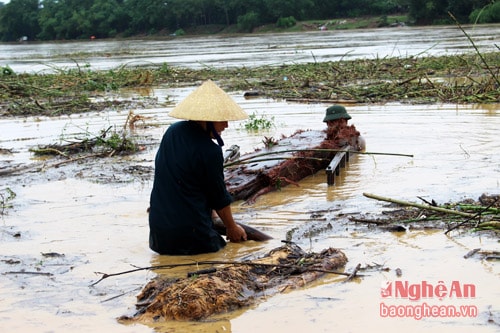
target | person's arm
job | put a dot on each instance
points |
(234, 232)
(361, 143)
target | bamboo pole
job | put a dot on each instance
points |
(253, 157)
(412, 204)
(250, 161)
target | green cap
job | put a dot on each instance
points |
(336, 112)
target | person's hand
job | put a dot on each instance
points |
(236, 233)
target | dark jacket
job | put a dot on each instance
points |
(188, 185)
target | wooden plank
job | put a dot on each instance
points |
(338, 162)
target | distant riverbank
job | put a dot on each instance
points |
(366, 22)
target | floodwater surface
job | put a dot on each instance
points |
(68, 225)
(102, 227)
(250, 50)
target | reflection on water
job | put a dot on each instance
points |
(103, 227)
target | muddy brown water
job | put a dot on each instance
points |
(91, 217)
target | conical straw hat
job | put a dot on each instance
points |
(208, 103)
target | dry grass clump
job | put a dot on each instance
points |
(233, 286)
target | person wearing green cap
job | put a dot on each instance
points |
(336, 116)
(336, 119)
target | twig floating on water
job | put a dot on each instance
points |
(471, 253)
(29, 273)
(354, 273)
(212, 262)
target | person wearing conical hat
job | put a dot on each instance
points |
(189, 177)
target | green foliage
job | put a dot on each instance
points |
(7, 71)
(383, 21)
(67, 90)
(119, 142)
(81, 19)
(383, 81)
(487, 14)
(255, 123)
(165, 68)
(179, 32)
(286, 22)
(428, 11)
(18, 19)
(247, 22)
(387, 6)
(6, 195)
(108, 142)
(300, 9)
(145, 15)
(436, 11)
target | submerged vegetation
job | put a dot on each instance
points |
(472, 78)
(255, 122)
(6, 195)
(66, 91)
(108, 142)
(469, 214)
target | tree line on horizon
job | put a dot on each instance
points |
(81, 19)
